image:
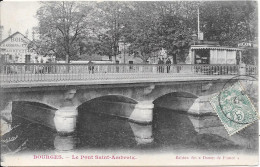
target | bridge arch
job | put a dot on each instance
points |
(33, 111)
(34, 103)
(114, 105)
(117, 105)
(181, 101)
(113, 97)
(109, 98)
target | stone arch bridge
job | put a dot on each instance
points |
(64, 88)
(190, 96)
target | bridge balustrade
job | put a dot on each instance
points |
(21, 72)
(251, 69)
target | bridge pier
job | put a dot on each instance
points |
(202, 106)
(143, 112)
(6, 112)
(65, 119)
(6, 118)
(202, 115)
(143, 133)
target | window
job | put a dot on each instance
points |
(202, 56)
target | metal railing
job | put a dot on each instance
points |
(20, 72)
(251, 70)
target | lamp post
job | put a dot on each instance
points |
(123, 38)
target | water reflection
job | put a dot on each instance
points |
(65, 143)
(170, 131)
(172, 128)
(143, 133)
(104, 131)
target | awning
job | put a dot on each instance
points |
(197, 47)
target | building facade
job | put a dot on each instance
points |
(14, 49)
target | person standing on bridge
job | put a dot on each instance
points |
(91, 67)
(168, 62)
(163, 65)
(159, 65)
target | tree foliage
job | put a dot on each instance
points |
(113, 17)
(61, 26)
(74, 28)
(140, 29)
(230, 21)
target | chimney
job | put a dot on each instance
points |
(9, 32)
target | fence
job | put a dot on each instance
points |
(251, 70)
(20, 72)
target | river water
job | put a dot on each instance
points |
(171, 131)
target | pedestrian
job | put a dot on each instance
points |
(91, 67)
(168, 62)
(162, 65)
(159, 65)
(48, 66)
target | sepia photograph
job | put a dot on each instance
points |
(129, 83)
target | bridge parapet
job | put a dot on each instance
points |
(22, 73)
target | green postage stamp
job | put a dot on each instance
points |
(234, 108)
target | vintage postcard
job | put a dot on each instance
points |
(129, 83)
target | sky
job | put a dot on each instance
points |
(19, 16)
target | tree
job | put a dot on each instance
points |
(229, 22)
(43, 46)
(74, 28)
(111, 22)
(175, 28)
(175, 37)
(61, 27)
(140, 29)
(156, 25)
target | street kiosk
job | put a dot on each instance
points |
(209, 54)
(215, 59)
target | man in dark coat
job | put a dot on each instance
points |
(159, 65)
(162, 65)
(91, 67)
(168, 62)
